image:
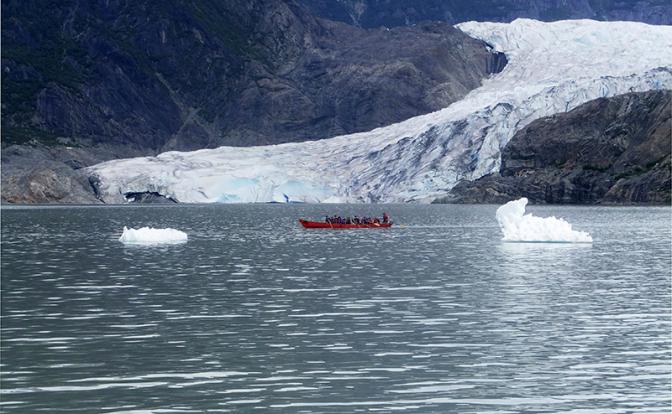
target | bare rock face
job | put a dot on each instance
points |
(38, 173)
(33, 175)
(610, 151)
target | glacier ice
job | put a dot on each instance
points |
(520, 227)
(149, 235)
(553, 67)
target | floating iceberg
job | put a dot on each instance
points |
(148, 235)
(520, 227)
(552, 67)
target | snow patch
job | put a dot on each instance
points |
(520, 227)
(149, 235)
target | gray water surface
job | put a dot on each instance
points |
(255, 314)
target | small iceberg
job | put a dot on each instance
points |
(149, 235)
(520, 227)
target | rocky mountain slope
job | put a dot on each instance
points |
(89, 81)
(390, 13)
(553, 68)
(205, 73)
(609, 150)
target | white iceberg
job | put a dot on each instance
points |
(149, 235)
(520, 227)
(552, 67)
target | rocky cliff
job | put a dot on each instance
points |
(609, 150)
(375, 13)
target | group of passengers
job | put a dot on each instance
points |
(357, 220)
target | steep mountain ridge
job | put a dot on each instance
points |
(391, 13)
(553, 67)
(203, 73)
(609, 150)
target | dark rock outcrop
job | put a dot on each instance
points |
(610, 151)
(375, 13)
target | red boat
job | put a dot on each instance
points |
(324, 225)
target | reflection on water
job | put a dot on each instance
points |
(536, 247)
(254, 313)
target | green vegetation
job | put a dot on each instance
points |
(599, 168)
(19, 96)
(18, 99)
(18, 135)
(606, 5)
(44, 55)
(639, 170)
(216, 18)
(635, 171)
(652, 164)
(65, 44)
(48, 62)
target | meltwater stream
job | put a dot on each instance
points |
(255, 314)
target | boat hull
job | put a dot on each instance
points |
(323, 225)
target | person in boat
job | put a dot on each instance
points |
(386, 218)
(356, 220)
(348, 220)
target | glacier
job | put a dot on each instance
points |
(552, 67)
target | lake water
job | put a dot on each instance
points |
(255, 314)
